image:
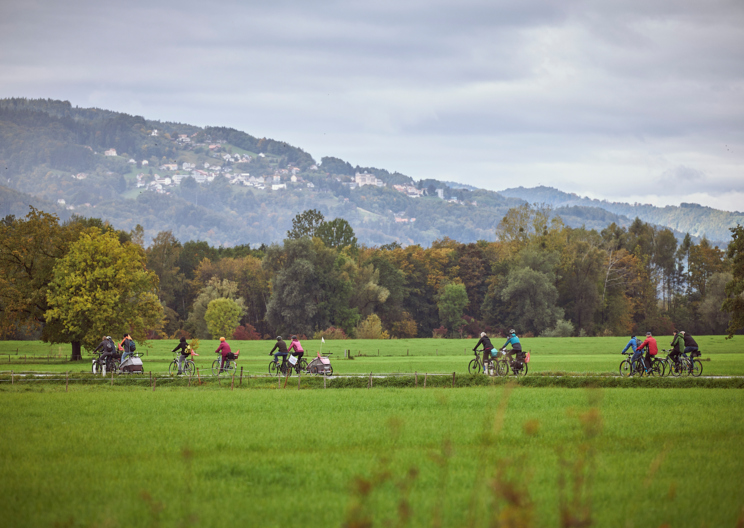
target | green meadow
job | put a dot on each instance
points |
(206, 456)
(579, 355)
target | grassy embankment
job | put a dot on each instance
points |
(97, 456)
(587, 355)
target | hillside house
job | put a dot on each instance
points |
(367, 179)
(169, 167)
(409, 190)
(132, 161)
(110, 152)
(277, 186)
(145, 162)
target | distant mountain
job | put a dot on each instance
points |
(228, 187)
(695, 219)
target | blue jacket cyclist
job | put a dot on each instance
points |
(513, 340)
(633, 345)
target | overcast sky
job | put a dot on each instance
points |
(633, 100)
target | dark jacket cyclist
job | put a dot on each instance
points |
(487, 349)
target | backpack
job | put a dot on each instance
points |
(109, 346)
(132, 346)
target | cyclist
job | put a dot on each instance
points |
(295, 347)
(282, 346)
(690, 346)
(653, 349)
(225, 353)
(677, 345)
(107, 347)
(487, 348)
(185, 349)
(637, 352)
(516, 348)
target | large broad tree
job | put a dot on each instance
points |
(337, 234)
(101, 287)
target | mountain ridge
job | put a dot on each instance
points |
(235, 188)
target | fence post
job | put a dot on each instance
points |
(241, 377)
(370, 380)
(415, 377)
(426, 375)
(324, 379)
(198, 377)
(11, 378)
(299, 379)
(151, 378)
(453, 380)
(67, 379)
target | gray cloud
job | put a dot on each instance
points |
(614, 99)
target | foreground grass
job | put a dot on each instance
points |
(98, 456)
(586, 355)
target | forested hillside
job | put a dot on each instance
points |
(698, 220)
(228, 188)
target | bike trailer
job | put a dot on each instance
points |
(320, 365)
(132, 364)
(695, 354)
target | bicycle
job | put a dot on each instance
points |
(299, 366)
(487, 365)
(518, 368)
(229, 368)
(696, 367)
(676, 368)
(629, 368)
(188, 368)
(111, 364)
(282, 368)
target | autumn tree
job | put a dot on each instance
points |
(101, 287)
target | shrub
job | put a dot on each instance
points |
(439, 333)
(330, 333)
(562, 328)
(407, 328)
(371, 328)
(246, 333)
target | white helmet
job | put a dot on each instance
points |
(483, 334)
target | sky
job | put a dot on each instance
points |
(633, 100)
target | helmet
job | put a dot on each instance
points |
(108, 337)
(648, 333)
(278, 338)
(483, 334)
(294, 337)
(222, 339)
(682, 332)
(512, 331)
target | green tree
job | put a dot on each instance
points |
(101, 287)
(215, 289)
(222, 317)
(451, 304)
(734, 303)
(337, 234)
(531, 297)
(305, 224)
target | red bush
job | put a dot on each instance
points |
(246, 333)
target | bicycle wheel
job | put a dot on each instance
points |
(216, 367)
(697, 368)
(189, 367)
(626, 369)
(474, 367)
(663, 367)
(657, 369)
(303, 365)
(273, 369)
(330, 370)
(173, 367)
(502, 368)
(94, 366)
(230, 368)
(286, 369)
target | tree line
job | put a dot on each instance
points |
(78, 280)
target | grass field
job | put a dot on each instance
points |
(595, 355)
(120, 457)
